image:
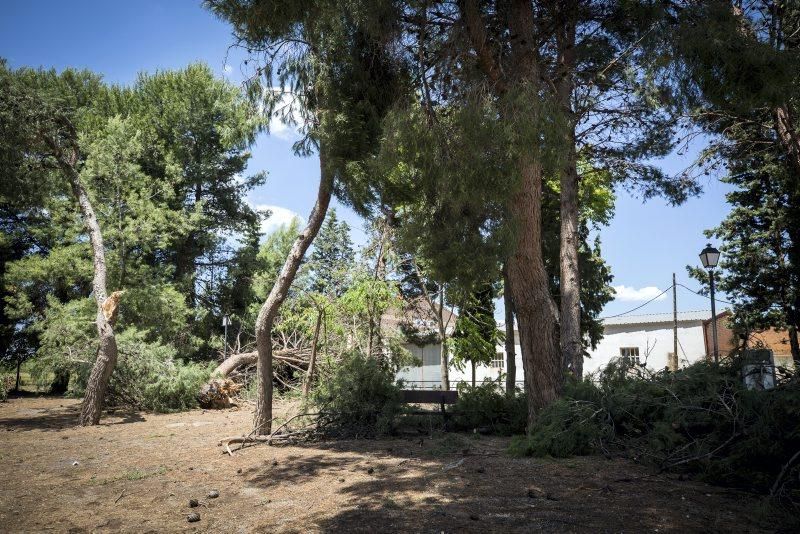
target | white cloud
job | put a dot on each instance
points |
(280, 217)
(631, 294)
(287, 107)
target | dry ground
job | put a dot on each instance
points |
(136, 473)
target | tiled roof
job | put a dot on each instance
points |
(650, 318)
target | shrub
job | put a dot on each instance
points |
(7, 383)
(487, 408)
(700, 420)
(359, 398)
(149, 377)
(567, 428)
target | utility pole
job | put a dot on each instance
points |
(674, 363)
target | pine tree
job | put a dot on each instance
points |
(332, 257)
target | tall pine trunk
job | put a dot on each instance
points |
(100, 376)
(534, 307)
(511, 357)
(570, 279)
(269, 310)
(536, 312)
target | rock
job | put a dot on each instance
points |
(474, 517)
(239, 471)
(536, 493)
(370, 471)
(213, 494)
(75, 463)
(194, 517)
(341, 480)
(194, 503)
(274, 463)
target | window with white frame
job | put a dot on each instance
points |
(498, 362)
(629, 352)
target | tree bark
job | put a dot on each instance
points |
(570, 280)
(241, 359)
(269, 310)
(444, 366)
(511, 357)
(794, 346)
(100, 376)
(537, 316)
(533, 305)
(313, 359)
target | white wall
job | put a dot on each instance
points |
(428, 376)
(657, 336)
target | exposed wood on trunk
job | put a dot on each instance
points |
(279, 292)
(511, 357)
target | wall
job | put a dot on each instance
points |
(657, 336)
(776, 340)
(428, 376)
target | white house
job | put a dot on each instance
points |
(650, 339)
(646, 337)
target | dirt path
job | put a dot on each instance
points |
(137, 472)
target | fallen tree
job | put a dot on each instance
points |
(243, 359)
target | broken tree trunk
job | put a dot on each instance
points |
(107, 350)
(269, 310)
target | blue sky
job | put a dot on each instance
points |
(644, 244)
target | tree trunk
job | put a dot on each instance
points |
(313, 360)
(444, 366)
(511, 357)
(537, 316)
(570, 280)
(100, 376)
(533, 305)
(795, 346)
(269, 310)
(19, 366)
(472, 364)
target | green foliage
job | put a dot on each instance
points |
(332, 257)
(7, 383)
(359, 399)
(487, 408)
(476, 334)
(148, 376)
(700, 419)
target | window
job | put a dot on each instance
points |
(629, 352)
(498, 362)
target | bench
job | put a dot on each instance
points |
(429, 396)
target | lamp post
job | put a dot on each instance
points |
(225, 322)
(710, 257)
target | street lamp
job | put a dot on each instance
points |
(710, 256)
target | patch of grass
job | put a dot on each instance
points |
(135, 474)
(449, 444)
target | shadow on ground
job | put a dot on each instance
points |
(454, 483)
(65, 416)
